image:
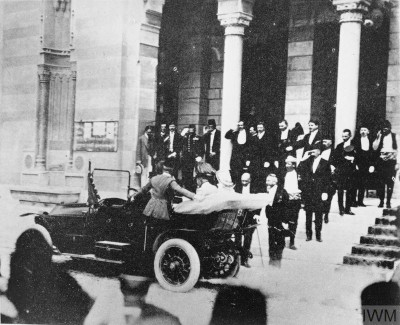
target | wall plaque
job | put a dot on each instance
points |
(96, 136)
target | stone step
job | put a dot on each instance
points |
(369, 260)
(374, 250)
(385, 220)
(45, 195)
(391, 212)
(380, 240)
(388, 230)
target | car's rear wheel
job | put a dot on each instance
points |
(177, 265)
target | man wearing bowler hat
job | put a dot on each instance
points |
(212, 143)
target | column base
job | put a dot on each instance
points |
(41, 178)
(74, 179)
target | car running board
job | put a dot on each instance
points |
(92, 257)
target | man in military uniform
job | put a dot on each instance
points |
(192, 150)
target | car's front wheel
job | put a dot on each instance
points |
(177, 265)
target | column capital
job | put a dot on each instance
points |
(352, 5)
(235, 15)
(44, 74)
(234, 24)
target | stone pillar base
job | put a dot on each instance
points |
(41, 178)
(75, 180)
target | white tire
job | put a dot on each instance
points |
(177, 265)
(44, 232)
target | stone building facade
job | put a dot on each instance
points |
(81, 79)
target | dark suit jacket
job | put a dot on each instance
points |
(263, 150)
(253, 189)
(283, 144)
(216, 144)
(364, 159)
(240, 152)
(344, 167)
(159, 145)
(304, 142)
(313, 184)
(144, 149)
(177, 145)
(214, 161)
(276, 213)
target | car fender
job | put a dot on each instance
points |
(191, 236)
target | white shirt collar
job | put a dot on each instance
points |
(316, 163)
(284, 134)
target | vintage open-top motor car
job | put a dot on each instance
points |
(114, 230)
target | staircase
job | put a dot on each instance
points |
(381, 246)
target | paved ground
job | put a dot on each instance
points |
(311, 287)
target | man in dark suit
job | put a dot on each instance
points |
(388, 161)
(327, 154)
(365, 162)
(314, 183)
(212, 142)
(144, 152)
(173, 147)
(291, 184)
(263, 155)
(159, 145)
(311, 138)
(192, 150)
(343, 161)
(275, 214)
(245, 186)
(240, 139)
(286, 138)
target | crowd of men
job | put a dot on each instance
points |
(307, 167)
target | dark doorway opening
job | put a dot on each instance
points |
(374, 51)
(265, 62)
(324, 75)
(374, 54)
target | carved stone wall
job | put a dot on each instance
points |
(60, 120)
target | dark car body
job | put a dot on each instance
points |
(114, 230)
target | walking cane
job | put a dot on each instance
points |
(259, 245)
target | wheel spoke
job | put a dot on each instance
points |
(175, 265)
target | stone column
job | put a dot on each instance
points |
(71, 112)
(234, 16)
(42, 118)
(351, 19)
